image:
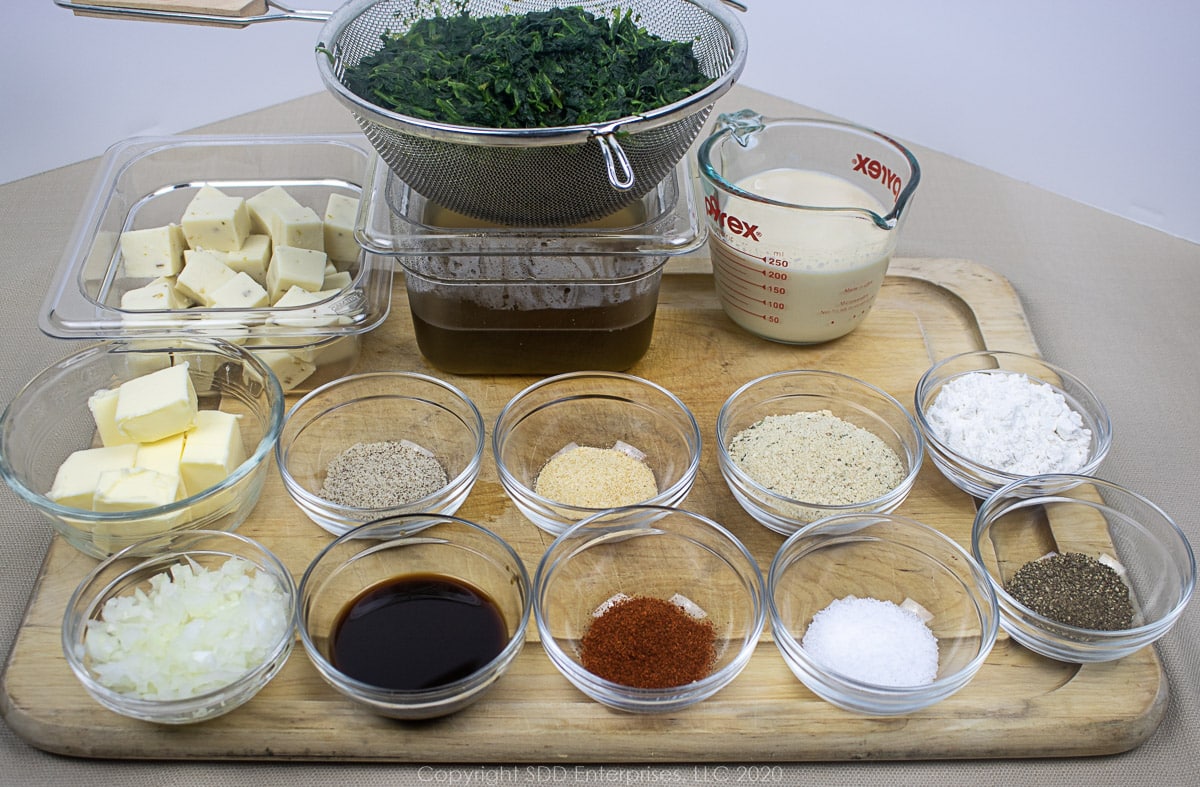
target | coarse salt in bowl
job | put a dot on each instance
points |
(991, 430)
(850, 446)
(607, 439)
(416, 442)
(879, 580)
(1120, 536)
(671, 557)
(181, 628)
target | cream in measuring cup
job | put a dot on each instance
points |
(803, 217)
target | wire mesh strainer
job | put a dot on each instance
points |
(536, 176)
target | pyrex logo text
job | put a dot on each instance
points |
(731, 223)
(876, 171)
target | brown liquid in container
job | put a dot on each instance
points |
(417, 631)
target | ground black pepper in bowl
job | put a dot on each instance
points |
(1074, 589)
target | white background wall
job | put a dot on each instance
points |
(1098, 100)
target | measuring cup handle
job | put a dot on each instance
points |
(616, 163)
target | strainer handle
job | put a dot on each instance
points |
(220, 13)
(616, 163)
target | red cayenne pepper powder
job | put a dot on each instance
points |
(648, 643)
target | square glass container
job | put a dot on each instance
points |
(490, 299)
(148, 182)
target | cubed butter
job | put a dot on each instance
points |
(341, 212)
(153, 252)
(212, 450)
(163, 456)
(294, 267)
(77, 477)
(215, 220)
(103, 405)
(157, 295)
(203, 273)
(156, 405)
(240, 292)
(278, 214)
(251, 259)
(133, 489)
(287, 366)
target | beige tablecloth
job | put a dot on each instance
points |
(1113, 301)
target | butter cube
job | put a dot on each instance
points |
(278, 214)
(214, 220)
(103, 405)
(212, 450)
(153, 252)
(290, 368)
(163, 457)
(76, 479)
(133, 489)
(337, 281)
(341, 212)
(156, 405)
(251, 259)
(294, 267)
(158, 294)
(203, 273)
(240, 292)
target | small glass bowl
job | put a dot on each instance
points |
(49, 419)
(663, 553)
(129, 572)
(806, 390)
(599, 410)
(412, 544)
(1022, 522)
(889, 558)
(375, 407)
(979, 480)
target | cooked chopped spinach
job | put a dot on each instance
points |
(560, 67)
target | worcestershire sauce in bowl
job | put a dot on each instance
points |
(417, 631)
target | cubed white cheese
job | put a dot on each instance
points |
(103, 405)
(133, 489)
(278, 214)
(153, 252)
(341, 212)
(212, 450)
(251, 259)
(163, 456)
(337, 281)
(316, 316)
(217, 221)
(240, 292)
(294, 267)
(156, 405)
(287, 366)
(76, 479)
(158, 295)
(203, 273)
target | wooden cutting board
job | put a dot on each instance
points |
(1019, 704)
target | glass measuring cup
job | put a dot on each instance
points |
(803, 217)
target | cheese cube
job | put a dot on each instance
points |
(240, 292)
(163, 457)
(287, 366)
(75, 482)
(341, 212)
(337, 281)
(158, 294)
(317, 316)
(203, 273)
(156, 405)
(251, 259)
(278, 214)
(103, 405)
(214, 220)
(294, 267)
(133, 489)
(157, 251)
(212, 450)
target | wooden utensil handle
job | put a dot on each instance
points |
(232, 11)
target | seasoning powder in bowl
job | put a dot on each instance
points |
(874, 641)
(382, 474)
(649, 643)
(590, 477)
